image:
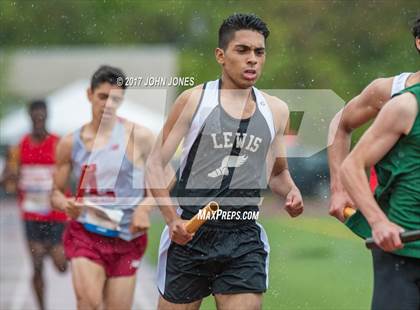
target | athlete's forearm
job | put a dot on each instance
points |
(147, 203)
(355, 182)
(282, 183)
(58, 200)
(339, 139)
(167, 208)
(156, 179)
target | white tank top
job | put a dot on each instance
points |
(398, 83)
(112, 186)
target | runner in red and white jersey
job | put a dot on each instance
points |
(43, 225)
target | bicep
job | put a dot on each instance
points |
(173, 132)
(176, 126)
(374, 144)
(145, 143)
(279, 165)
(356, 113)
(392, 122)
(277, 156)
(63, 164)
(366, 105)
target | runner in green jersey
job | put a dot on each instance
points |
(392, 143)
(357, 112)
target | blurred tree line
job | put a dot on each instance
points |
(340, 45)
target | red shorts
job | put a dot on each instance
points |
(118, 257)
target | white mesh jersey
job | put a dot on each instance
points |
(110, 181)
(224, 158)
(398, 83)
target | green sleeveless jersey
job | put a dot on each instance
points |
(398, 191)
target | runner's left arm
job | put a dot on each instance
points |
(281, 182)
(63, 166)
(143, 143)
(394, 120)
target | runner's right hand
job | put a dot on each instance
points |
(72, 208)
(338, 202)
(178, 233)
(387, 235)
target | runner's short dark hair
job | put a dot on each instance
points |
(416, 28)
(37, 104)
(108, 74)
(416, 31)
(238, 22)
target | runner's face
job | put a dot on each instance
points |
(243, 58)
(38, 117)
(105, 99)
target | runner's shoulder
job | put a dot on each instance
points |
(54, 138)
(405, 105)
(276, 104)
(187, 102)
(380, 88)
(401, 112)
(279, 110)
(65, 146)
(187, 96)
(141, 133)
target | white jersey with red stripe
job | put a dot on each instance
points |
(110, 185)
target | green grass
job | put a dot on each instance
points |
(315, 263)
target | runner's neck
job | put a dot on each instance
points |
(413, 79)
(38, 136)
(104, 126)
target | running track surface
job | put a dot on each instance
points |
(15, 272)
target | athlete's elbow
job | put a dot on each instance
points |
(153, 168)
(153, 163)
(338, 128)
(347, 169)
(335, 122)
